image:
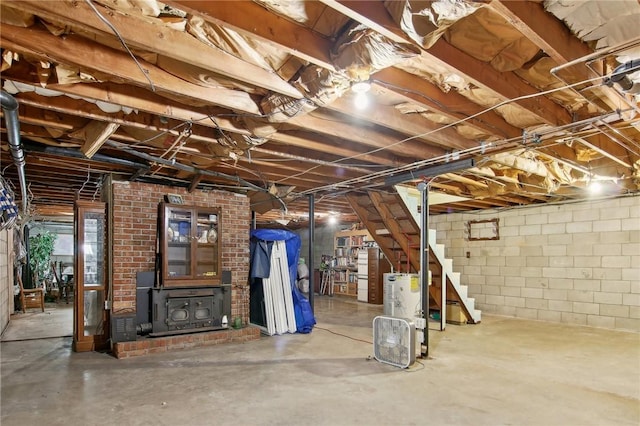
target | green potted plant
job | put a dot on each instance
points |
(40, 250)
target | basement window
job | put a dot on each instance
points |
(483, 230)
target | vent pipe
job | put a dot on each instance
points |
(620, 75)
(10, 109)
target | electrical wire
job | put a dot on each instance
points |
(460, 121)
(343, 335)
(86, 180)
(299, 106)
(124, 44)
(164, 132)
(435, 101)
(98, 188)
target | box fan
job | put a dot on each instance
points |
(394, 341)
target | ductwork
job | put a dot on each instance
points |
(621, 76)
(10, 109)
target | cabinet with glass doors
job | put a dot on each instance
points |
(190, 245)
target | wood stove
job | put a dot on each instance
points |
(187, 310)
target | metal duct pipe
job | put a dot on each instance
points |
(620, 75)
(10, 108)
(76, 153)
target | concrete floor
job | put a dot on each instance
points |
(55, 321)
(503, 371)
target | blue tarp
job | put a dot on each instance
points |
(305, 319)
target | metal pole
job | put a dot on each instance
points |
(424, 262)
(312, 225)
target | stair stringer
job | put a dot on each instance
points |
(412, 201)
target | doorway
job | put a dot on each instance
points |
(57, 318)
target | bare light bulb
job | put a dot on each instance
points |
(595, 187)
(361, 100)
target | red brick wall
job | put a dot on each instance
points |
(135, 212)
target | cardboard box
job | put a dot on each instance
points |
(353, 288)
(455, 314)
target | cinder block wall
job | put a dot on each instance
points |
(323, 243)
(6, 278)
(574, 263)
(135, 212)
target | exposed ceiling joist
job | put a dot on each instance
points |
(160, 39)
(258, 92)
(90, 57)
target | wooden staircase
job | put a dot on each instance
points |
(394, 225)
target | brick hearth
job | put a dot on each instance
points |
(152, 345)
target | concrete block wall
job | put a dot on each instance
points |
(323, 242)
(6, 278)
(573, 263)
(135, 212)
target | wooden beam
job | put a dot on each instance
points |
(158, 38)
(603, 152)
(96, 133)
(91, 57)
(195, 182)
(409, 124)
(291, 37)
(451, 104)
(298, 162)
(506, 85)
(371, 14)
(556, 40)
(334, 149)
(141, 100)
(365, 135)
(467, 181)
(242, 16)
(84, 109)
(80, 108)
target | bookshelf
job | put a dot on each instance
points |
(347, 245)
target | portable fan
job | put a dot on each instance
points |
(394, 341)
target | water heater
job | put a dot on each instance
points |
(401, 295)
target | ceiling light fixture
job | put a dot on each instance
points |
(361, 99)
(361, 87)
(595, 187)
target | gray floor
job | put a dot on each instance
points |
(55, 321)
(503, 371)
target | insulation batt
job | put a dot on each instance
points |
(426, 21)
(360, 52)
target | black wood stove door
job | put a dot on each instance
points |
(184, 310)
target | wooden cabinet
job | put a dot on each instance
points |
(91, 320)
(190, 245)
(347, 246)
(377, 265)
